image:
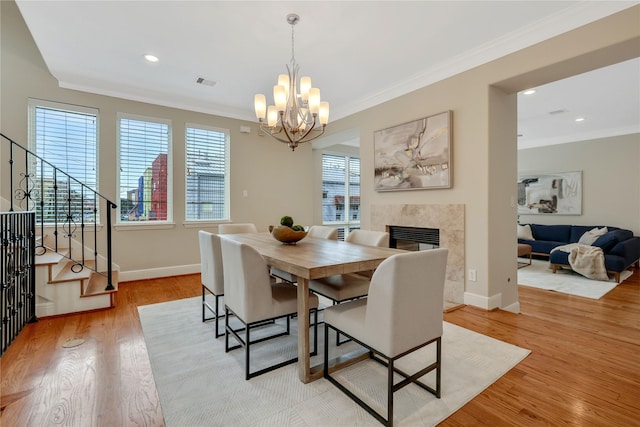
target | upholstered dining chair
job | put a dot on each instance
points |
(344, 287)
(211, 276)
(402, 314)
(253, 299)
(237, 228)
(323, 232)
(316, 232)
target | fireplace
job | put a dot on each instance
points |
(413, 238)
(428, 222)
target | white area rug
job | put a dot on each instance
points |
(539, 275)
(201, 385)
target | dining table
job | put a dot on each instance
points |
(308, 259)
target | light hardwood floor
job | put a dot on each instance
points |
(584, 368)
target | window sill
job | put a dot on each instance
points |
(141, 226)
(200, 224)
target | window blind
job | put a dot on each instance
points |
(206, 174)
(354, 189)
(145, 164)
(66, 137)
(341, 191)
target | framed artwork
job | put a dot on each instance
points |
(550, 193)
(414, 155)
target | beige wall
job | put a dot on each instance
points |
(484, 140)
(277, 181)
(610, 179)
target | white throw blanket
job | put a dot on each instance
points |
(586, 260)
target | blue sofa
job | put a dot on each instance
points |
(620, 247)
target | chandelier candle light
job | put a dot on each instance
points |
(294, 117)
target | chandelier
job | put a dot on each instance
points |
(296, 117)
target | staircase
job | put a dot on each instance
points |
(74, 269)
(65, 286)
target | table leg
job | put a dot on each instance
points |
(303, 331)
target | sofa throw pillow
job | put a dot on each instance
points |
(592, 235)
(524, 232)
(607, 241)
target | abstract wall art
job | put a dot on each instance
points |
(414, 155)
(550, 193)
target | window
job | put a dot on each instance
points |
(66, 137)
(341, 192)
(207, 170)
(145, 164)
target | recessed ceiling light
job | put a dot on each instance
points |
(529, 92)
(580, 119)
(151, 58)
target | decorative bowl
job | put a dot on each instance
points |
(286, 235)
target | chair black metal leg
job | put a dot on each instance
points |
(217, 302)
(288, 325)
(439, 366)
(391, 371)
(390, 393)
(226, 331)
(315, 331)
(337, 332)
(205, 306)
(246, 361)
(326, 351)
(203, 303)
(214, 310)
(246, 342)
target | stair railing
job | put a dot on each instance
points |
(62, 202)
(17, 274)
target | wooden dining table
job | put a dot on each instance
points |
(309, 259)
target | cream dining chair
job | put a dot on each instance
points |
(254, 299)
(402, 314)
(344, 287)
(323, 232)
(211, 275)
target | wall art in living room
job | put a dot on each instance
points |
(414, 155)
(550, 193)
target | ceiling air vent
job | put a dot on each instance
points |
(206, 82)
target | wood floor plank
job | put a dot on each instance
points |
(584, 368)
(107, 380)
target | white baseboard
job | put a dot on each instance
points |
(488, 303)
(45, 309)
(154, 273)
(513, 308)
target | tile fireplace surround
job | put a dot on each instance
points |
(449, 219)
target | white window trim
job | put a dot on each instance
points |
(345, 224)
(32, 104)
(127, 225)
(227, 181)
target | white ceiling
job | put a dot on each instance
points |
(608, 99)
(359, 53)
